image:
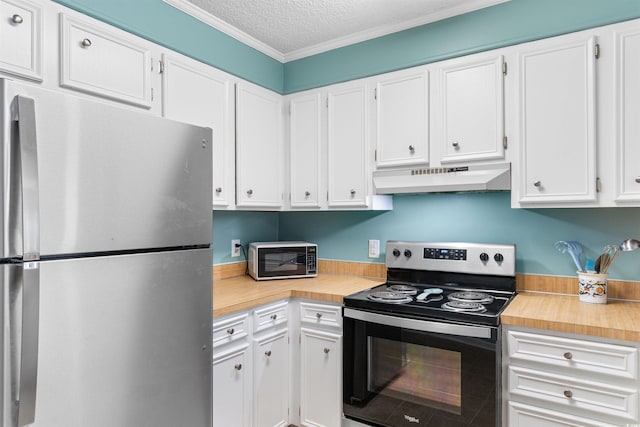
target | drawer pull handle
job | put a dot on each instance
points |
(568, 355)
(218, 189)
(568, 394)
(230, 331)
(238, 366)
(274, 316)
(17, 19)
(319, 315)
(326, 350)
(638, 179)
(267, 353)
(307, 193)
(455, 144)
(537, 184)
(412, 148)
(86, 43)
(249, 192)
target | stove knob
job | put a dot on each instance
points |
(498, 257)
(396, 252)
(484, 257)
(407, 253)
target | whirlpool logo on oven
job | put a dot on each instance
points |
(412, 419)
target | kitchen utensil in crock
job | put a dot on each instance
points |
(574, 249)
(630, 245)
(612, 251)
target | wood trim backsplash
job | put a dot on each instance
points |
(617, 289)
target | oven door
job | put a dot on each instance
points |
(403, 371)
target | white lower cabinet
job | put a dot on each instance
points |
(231, 387)
(553, 380)
(271, 380)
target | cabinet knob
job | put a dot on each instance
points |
(86, 43)
(537, 184)
(568, 355)
(267, 353)
(455, 144)
(230, 331)
(353, 192)
(318, 315)
(238, 366)
(307, 193)
(17, 19)
(326, 350)
(568, 394)
(412, 148)
(218, 189)
(274, 316)
(249, 192)
(638, 179)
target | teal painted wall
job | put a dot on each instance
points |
(246, 226)
(474, 217)
(502, 25)
(167, 26)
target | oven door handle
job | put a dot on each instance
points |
(419, 325)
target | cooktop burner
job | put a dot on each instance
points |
(389, 297)
(469, 296)
(403, 289)
(464, 306)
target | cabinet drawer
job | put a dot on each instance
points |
(21, 38)
(569, 392)
(521, 415)
(320, 314)
(230, 330)
(104, 62)
(577, 355)
(270, 316)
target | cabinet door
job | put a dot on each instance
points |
(305, 149)
(348, 139)
(521, 415)
(198, 94)
(104, 61)
(271, 381)
(21, 38)
(472, 108)
(258, 147)
(628, 115)
(231, 388)
(402, 127)
(321, 378)
(557, 121)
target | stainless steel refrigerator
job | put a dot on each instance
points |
(105, 265)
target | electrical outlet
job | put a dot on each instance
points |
(235, 247)
(374, 248)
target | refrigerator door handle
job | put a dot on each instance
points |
(28, 149)
(28, 380)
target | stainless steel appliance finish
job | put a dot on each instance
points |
(105, 265)
(429, 353)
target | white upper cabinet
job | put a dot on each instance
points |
(348, 137)
(195, 93)
(471, 109)
(556, 121)
(402, 118)
(260, 157)
(305, 150)
(21, 38)
(627, 93)
(104, 61)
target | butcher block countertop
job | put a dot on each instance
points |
(617, 319)
(244, 293)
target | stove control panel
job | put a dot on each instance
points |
(474, 258)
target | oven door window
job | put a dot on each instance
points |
(396, 377)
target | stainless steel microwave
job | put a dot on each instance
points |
(282, 260)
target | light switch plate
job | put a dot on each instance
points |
(374, 248)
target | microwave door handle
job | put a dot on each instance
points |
(28, 152)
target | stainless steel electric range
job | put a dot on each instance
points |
(423, 349)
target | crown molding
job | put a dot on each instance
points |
(361, 36)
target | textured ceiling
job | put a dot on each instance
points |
(300, 27)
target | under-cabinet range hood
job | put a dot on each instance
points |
(492, 177)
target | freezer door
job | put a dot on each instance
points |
(125, 341)
(109, 178)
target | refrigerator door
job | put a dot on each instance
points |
(110, 179)
(125, 341)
